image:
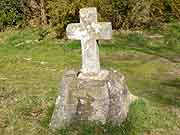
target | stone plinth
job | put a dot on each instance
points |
(80, 98)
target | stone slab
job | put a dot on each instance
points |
(103, 100)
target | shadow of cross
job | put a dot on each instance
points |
(88, 31)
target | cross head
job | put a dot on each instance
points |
(89, 30)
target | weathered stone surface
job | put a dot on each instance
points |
(88, 31)
(104, 100)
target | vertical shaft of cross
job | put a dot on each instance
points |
(90, 51)
(90, 56)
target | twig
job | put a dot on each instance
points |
(19, 44)
(178, 124)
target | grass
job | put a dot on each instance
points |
(30, 71)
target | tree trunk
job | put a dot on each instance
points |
(43, 13)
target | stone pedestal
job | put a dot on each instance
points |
(105, 99)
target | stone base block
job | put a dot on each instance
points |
(82, 98)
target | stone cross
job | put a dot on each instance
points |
(88, 31)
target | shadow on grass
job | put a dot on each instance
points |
(167, 93)
(170, 96)
(139, 43)
(172, 83)
(166, 99)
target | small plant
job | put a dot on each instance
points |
(11, 13)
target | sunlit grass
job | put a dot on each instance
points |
(30, 71)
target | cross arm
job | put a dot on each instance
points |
(104, 30)
(74, 31)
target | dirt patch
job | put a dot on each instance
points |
(130, 56)
(2, 40)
